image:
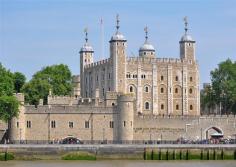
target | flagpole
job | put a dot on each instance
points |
(102, 39)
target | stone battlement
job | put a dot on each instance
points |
(157, 60)
(80, 109)
(98, 63)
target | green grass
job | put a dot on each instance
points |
(4, 157)
(79, 156)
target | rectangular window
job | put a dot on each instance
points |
(28, 124)
(71, 124)
(124, 123)
(17, 124)
(86, 124)
(111, 124)
(53, 124)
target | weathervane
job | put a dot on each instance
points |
(146, 32)
(86, 34)
(186, 24)
(117, 22)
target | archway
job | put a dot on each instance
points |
(213, 131)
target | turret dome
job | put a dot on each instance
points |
(186, 37)
(147, 47)
(118, 36)
(86, 48)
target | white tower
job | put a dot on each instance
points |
(86, 57)
(187, 44)
(118, 58)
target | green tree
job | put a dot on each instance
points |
(19, 81)
(58, 78)
(223, 81)
(9, 107)
(6, 82)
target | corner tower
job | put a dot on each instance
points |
(146, 50)
(187, 45)
(86, 57)
(118, 58)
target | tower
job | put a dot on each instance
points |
(118, 58)
(86, 57)
(187, 44)
(146, 50)
(125, 119)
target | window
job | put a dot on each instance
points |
(109, 89)
(131, 89)
(176, 90)
(103, 92)
(191, 107)
(28, 124)
(144, 53)
(162, 78)
(131, 123)
(162, 106)
(17, 124)
(162, 90)
(151, 53)
(109, 76)
(86, 124)
(124, 123)
(191, 79)
(112, 104)
(97, 77)
(146, 89)
(177, 107)
(190, 90)
(53, 124)
(111, 124)
(147, 106)
(176, 78)
(71, 124)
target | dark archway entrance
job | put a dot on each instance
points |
(213, 132)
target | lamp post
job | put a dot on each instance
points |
(20, 135)
(186, 126)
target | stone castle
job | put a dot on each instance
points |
(125, 99)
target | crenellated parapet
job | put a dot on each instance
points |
(135, 60)
(96, 64)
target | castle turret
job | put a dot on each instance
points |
(118, 58)
(125, 117)
(187, 45)
(18, 125)
(86, 57)
(146, 50)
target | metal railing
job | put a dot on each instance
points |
(148, 142)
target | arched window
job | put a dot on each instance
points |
(146, 89)
(147, 106)
(177, 107)
(191, 107)
(191, 79)
(162, 90)
(176, 90)
(131, 89)
(162, 106)
(162, 78)
(176, 78)
(190, 90)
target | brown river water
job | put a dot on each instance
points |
(118, 163)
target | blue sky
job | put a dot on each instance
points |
(37, 33)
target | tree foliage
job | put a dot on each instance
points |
(58, 78)
(9, 107)
(19, 80)
(223, 87)
(6, 82)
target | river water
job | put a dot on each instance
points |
(118, 163)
